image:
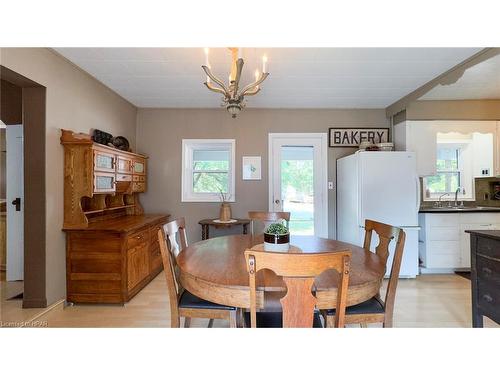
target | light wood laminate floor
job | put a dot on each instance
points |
(427, 301)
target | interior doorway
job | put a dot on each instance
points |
(298, 180)
(23, 200)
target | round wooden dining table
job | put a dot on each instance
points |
(215, 270)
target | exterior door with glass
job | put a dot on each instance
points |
(298, 180)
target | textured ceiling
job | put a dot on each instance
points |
(482, 81)
(299, 77)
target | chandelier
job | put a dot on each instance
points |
(234, 98)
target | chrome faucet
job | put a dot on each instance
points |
(438, 203)
(459, 189)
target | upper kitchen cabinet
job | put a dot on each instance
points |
(475, 142)
(417, 136)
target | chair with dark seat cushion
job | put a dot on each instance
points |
(267, 319)
(183, 303)
(375, 310)
(190, 301)
(298, 271)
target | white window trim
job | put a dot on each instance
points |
(188, 145)
(470, 195)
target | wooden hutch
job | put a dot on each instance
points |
(112, 248)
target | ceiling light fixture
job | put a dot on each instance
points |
(233, 98)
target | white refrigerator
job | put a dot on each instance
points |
(381, 186)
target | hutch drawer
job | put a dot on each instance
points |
(138, 238)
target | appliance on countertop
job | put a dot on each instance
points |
(381, 186)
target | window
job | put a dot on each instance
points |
(207, 170)
(448, 176)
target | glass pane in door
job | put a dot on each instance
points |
(297, 187)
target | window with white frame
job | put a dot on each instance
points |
(449, 174)
(208, 170)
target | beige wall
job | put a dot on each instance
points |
(453, 110)
(160, 132)
(3, 164)
(75, 101)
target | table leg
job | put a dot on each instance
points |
(204, 232)
(245, 228)
(477, 318)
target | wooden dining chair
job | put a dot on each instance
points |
(266, 217)
(376, 310)
(298, 271)
(182, 302)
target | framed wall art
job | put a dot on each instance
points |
(252, 168)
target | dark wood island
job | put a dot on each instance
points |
(485, 275)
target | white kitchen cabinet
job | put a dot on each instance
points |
(443, 244)
(421, 138)
(416, 136)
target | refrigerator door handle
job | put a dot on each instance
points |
(417, 179)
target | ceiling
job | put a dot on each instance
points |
(299, 77)
(482, 81)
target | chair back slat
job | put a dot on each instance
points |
(267, 217)
(299, 271)
(175, 232)
(386, 233)
(298, 303)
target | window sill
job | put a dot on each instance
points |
(204, 200)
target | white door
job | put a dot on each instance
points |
(15, 202)
(298, 180)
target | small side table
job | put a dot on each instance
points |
(207, 223)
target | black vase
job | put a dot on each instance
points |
(277, 238)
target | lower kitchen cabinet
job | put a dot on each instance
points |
(444, 245)
(112, 260)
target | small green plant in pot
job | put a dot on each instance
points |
(276, 237)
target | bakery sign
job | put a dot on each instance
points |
(352, 137)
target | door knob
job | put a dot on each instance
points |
(17, 202)
(277, 201)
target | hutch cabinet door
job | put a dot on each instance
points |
(104, 161)
(124, 165)
(104, 182)
(140, 166)
(137, 265)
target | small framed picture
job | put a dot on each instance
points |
(252, 168)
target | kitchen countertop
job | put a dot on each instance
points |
(452, 210)
(493, 234)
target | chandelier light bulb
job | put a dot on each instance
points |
(206, 56)
(264, 62)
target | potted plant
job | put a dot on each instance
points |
(276, 237)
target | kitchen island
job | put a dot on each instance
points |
(485, 275)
